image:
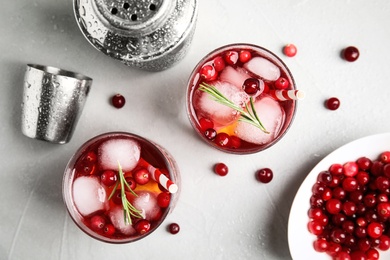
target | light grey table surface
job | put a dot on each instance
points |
(233, 217)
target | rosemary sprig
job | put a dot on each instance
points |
(249, 115)
(128, 209)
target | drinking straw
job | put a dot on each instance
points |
(159, 177)
(287, 94)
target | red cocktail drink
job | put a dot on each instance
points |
(241, 98)
(119, 187)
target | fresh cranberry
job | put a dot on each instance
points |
(338, 193)
(315, 213)
(385, 157)
(356, 196)
(117, 197)
(349, 208)
(358, 255)
(208, 72)
(320, 245)
(205, 124)
(315, 227)
(377, 168)
(364, 163)
(245, 56)
(141, 176)
(210, 133)
(336, 169)
(222, 139)
(338, 236)
(131, 182)
(219, 63)
(332, 103)
(281, 83)
(372, 254)
(264, 175)
(109, 229)
(382, 183)
(318, 188)
(333, 206)
(350, 169)
(108, 178)
(369, 200)
(386, 170)
(350, 184)
(290, 50)
(142, 226)
(362, 178)
(351, 53)
(324, 177)
(163, 199)
(97, 222)
(118, 101)
(342, 256)
(251, 86)
(333, 249)
(374, 229)
(231, 57)
(316, 201)
(174, 228)
(383, 209)
(384, 242)
(221, 169)
(90, 157)
(364, 244)
(326, 194)
(348, 226)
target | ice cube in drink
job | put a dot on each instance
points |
(226, 69)
(96, 174)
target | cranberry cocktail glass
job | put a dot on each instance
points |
(119, 187)
(241, 98)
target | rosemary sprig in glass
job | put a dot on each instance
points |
(128, 209)
(249, 115)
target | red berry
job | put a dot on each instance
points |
(174, 228)
(142, 226)
(372, 254)
(163, 199)
(332, 103)
(219, 63)
(315, 227)
(117, 197)
(281, 83)
(358, 255)
(336, 169)
(108, 178)
(235, 142)
(205, 124)
(109, 229)
(231, 57)
(374, 229)
(118, 101)
(333, 206)
(264, 175)
(384, 242)
(364, 163)
(351, 53)
(221, 169)
(290, 50)
(251, 86)
(350, 169)
(385, 157)
(131, 182)
(245, 56)
(97, 223)
(141, 176)
(342, 256)
(320, 245)
(210, 133)
(222, 139)
(90, 157)
(383, 209)
(350, 184)
(208, 72)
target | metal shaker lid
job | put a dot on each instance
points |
(143, 33)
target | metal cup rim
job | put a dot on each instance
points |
(59, 72)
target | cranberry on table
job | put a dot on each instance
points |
(221, 169)
(118, 101)
(290, 50)
(173, 228)
(332, 103)
(350, 54)
(264, 175)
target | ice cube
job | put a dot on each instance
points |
(271, 116)
(89, 196)
(263, 68)
(117, 218)
(147, 203)
(125, 151)
(221, 114)
(234, 76)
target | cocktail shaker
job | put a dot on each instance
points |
(146, 34)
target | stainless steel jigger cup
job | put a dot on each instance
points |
(52, 102)
(146, 34)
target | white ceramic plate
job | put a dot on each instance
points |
(299, 239)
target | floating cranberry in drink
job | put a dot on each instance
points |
(119, 187)
(241, 98)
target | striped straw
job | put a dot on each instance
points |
(284, 94)
(159, 177)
